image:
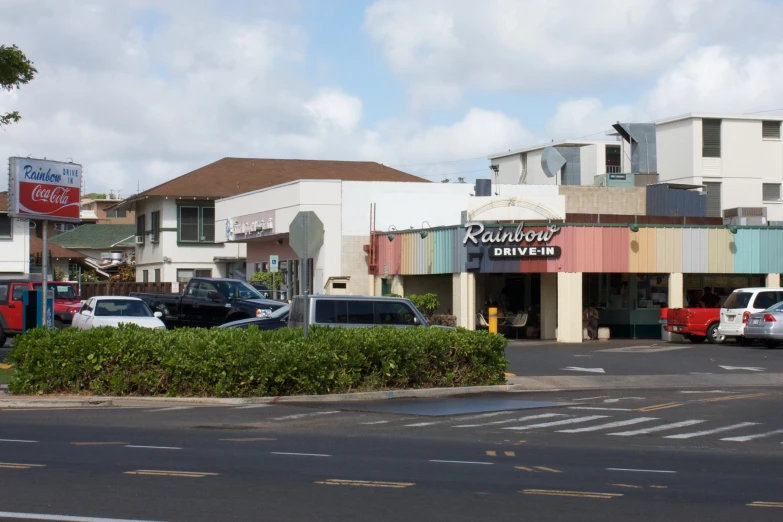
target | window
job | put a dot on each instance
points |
(157, 275)
(613, 159)
(770, 130)
(155, 224)
(140, 227)
(204, 289)
(186, 274)
(6, 225)
(122, 308)
(19, 291)
(327, 313)
(737, 300)
(713, 199)
(360, 312)
(770, 192)
(64, 227)
(710, 138)
(766, 299)
(394, 313)
(115, 213)
(3, 292)
(145, 276)
(197, 224)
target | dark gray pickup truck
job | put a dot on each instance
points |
(210, 302)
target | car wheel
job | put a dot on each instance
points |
(3, 337)
(713, 336)
(59, 325)
(696, 339)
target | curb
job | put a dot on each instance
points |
(48, 403)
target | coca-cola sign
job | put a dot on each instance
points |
(45, 189)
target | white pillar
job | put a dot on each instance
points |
(676, 291)
(569, 307)
(548, 305)
(398, 286)
(773, 280)
(464, 299)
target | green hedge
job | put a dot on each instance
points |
(236, 362)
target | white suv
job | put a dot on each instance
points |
(741, 303)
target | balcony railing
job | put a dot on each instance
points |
(613, 169)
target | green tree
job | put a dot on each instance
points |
(89, 276)
(265, 278)
(94, 195)
(426, 303)
(460, 180)
(445, 180)
(15, 70)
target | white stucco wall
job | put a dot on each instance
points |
(509, 169)
(676, 148)
(15, 251)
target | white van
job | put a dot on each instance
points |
(740, 304)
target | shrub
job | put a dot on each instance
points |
(443, 320)
(236, 362)
(426, 303)
(265, 278)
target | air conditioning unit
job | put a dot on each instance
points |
(745, 212)
(139, 240)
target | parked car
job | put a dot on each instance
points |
(739, 306)
(208, 302)
(695, 324)
(278, 319)
(116, 310)
(66, 304)
(356, 311)
(766, 326)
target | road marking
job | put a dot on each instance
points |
(507, 374)
(752, 437)
(374, 422)
(16, 440)
(641, 470)
(257, 439)
(418, 424)
(252, 406)
(303, 415)
(152, 447)
(510, 454)
(611, 401)
(748, 368)
(654, 429)
(646, 349)
(524, 468)
(16, 465)
(507, 421)
(733, 397)
(65, 518)
(598, 408)
(366, 483)
(657, 407)
(162, 473)
(462, 462)
(660, 487)
(759, 503)
(706, 391)
(484, 415)
(610, 425)
(562, 493)
(173, 408)
(300, 454)
(557, 423)
(99, 443)
(551, 470)
(492, 454)
(591, 398)
(626, 486)
(710, 432)
(578, 369)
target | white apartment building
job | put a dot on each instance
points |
(14, 243)
(738, 159)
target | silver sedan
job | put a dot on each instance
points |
(766, 326)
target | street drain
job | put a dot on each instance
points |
(225, 427)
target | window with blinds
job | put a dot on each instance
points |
(770, 191)
(713, 200)
(770, 130)
(710, 138)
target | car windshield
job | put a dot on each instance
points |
(121, 308)
(60, 291)
(237, 290)
(738, 300)
(777, 307)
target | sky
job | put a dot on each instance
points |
(142, 91)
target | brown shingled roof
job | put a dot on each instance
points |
(36, 247)
(232, 176)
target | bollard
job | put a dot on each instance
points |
(493, 320)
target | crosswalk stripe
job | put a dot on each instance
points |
(557, 423)
(610, 425)
(420, 424)
(303, 415)
(173, 408)
(710, 432)
(752, 437)
(482, 416)
(508, 421)
(655, 429)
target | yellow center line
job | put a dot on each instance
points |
(542, 468)
(17, 465)
(507, 374)
(626, 486)
(492, 453)
(99, 443)
(365, 483)
(660, 487)
(660, 406)
(257, 439)
(766, 504)
(562, 493)
(524, 468)
(733, 397)
(510, 454)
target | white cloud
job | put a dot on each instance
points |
(585, 117)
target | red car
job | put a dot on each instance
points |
(695, 324)
(66, 304)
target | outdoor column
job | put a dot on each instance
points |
(773, 280)
(548, 306)
(569, 307)
(397, 285)
(464, 299)
(676, 291)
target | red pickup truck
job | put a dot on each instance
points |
(695, 324)
(66, 303)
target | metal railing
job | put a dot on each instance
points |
(613, 169)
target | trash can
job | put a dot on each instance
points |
(664, 320)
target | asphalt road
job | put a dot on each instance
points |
(637, 357)
(341, 462)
